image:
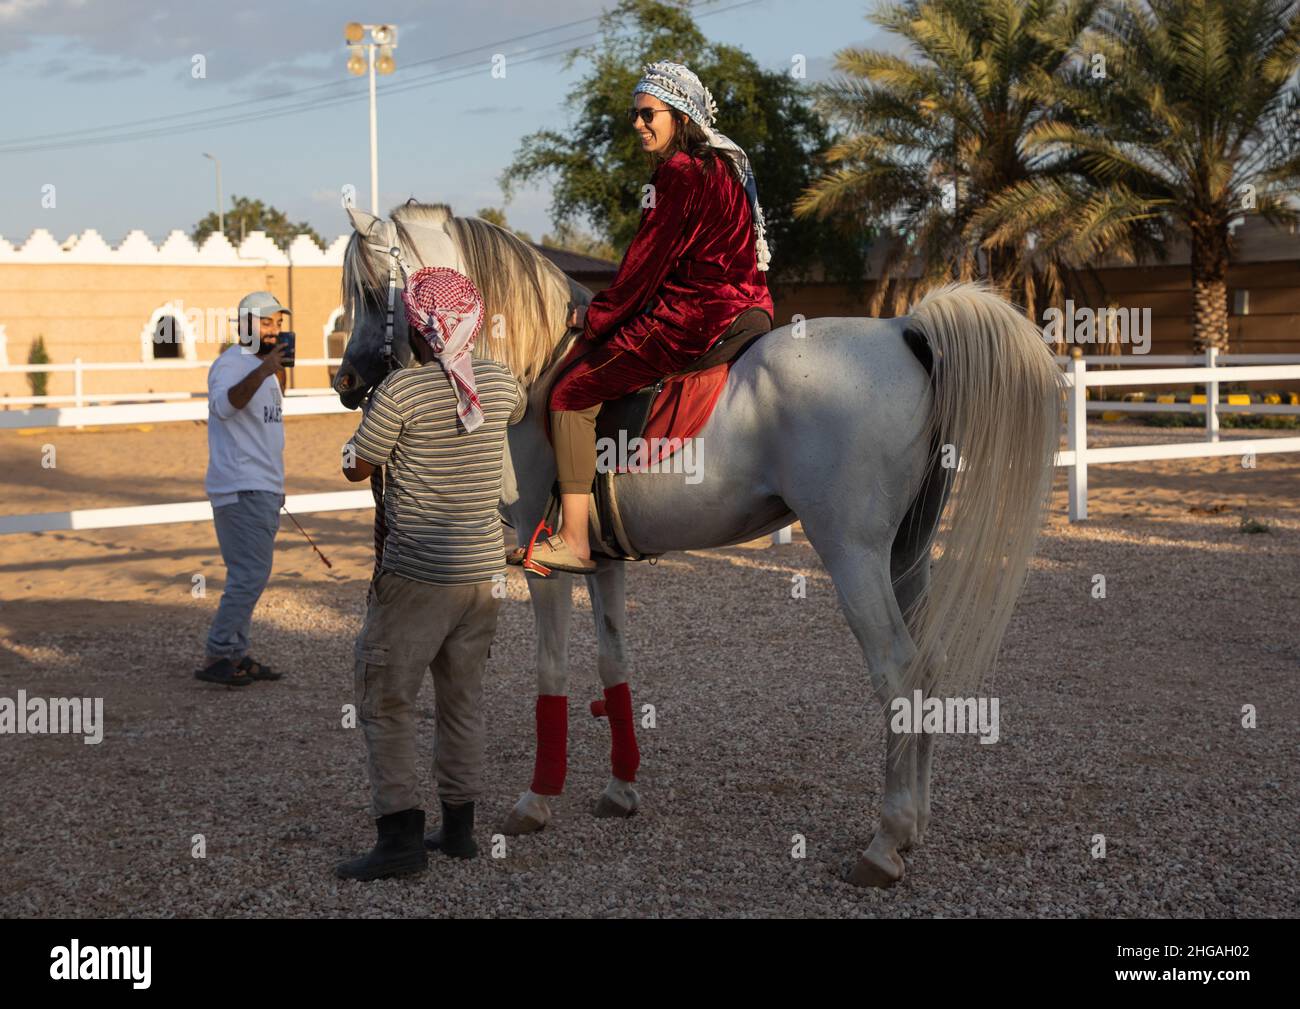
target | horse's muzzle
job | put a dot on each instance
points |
(351, 390)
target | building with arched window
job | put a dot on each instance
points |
(173, 303)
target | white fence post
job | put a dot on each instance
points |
(1211, 396)
(1077, 436)
(782, 537)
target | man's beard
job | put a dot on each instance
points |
(264, 348)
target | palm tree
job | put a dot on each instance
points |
(1196, 116)
(936, 140)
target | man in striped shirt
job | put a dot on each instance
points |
(440, 430)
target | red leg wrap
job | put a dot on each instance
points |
(552, 744)
(624, 757)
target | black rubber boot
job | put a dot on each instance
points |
(399, 850)
(456, 835)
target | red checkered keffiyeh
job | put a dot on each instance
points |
(446, 309)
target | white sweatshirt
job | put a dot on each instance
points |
(245, 447)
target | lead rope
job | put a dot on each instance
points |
(381, 527)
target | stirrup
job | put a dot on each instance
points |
(527, 562)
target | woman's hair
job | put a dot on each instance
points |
(688, 137)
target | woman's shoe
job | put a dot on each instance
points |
(554, 555)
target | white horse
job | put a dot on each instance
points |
(867, 431)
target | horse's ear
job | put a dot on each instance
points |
(362, 222)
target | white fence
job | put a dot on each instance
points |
(1214, 370)
(1211, 370)
(153, 413)
(79, 369)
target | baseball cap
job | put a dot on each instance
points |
(261, 304)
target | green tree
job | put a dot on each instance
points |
(599, 168)
(247, 215)
(1197, 117)
(936, 138)
(37, 354)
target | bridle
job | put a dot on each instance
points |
(396, 263)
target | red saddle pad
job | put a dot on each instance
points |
(681, 409)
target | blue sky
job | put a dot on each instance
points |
(68, 66)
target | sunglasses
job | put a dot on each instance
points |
(646, 115)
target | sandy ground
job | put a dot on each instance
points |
(1119, 716)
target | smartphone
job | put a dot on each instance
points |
(287, 342)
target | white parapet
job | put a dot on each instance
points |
(177, 249)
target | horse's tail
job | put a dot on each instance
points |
(996, 426)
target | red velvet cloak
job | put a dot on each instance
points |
(690, 270)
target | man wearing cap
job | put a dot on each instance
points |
(439, 430)
(245, 482)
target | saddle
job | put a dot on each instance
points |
(632, 411)
(625, 419)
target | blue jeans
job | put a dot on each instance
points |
(246, 533)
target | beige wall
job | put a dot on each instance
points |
(97, 312)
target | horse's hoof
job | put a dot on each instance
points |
(607, 809)
(528, 815)
(870, 873)
(619, 800)
(516, 824)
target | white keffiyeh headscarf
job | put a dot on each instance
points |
(675, 85)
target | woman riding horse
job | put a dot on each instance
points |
(695, 265)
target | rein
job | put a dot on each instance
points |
(396, 262)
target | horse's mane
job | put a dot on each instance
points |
(525, 295)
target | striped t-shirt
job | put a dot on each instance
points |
(443, 484)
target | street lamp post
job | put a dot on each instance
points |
(221, 212)
(383, 38)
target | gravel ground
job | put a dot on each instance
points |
(1119, 716)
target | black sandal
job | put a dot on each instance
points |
(255, 670)
(224, 672)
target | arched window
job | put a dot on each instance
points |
(169, 335)
(167, 338)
